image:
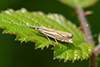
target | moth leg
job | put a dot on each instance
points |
(48, 38)
(56, 41)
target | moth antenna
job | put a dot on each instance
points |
(48, 38)
(33, 27)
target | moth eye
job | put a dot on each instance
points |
(37, 28)
(70, 36)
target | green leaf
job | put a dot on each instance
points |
(18, 22)
(82, 3)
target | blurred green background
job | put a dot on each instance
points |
(15, 54)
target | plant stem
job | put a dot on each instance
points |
(86, 31)
(97, 49)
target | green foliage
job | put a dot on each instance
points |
(18, 22)
(99, 38)
(82, 3)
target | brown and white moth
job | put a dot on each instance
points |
(59, 35)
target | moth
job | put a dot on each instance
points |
(57, 35)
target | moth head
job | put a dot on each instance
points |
(70, 35)
(69, 39)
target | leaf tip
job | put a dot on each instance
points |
(70, 59)
(54, 58)
(21, 41)
(65, 61)
(23, 10)
(11, 10)
(25, 40)
(47, 46)
(35, 48)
